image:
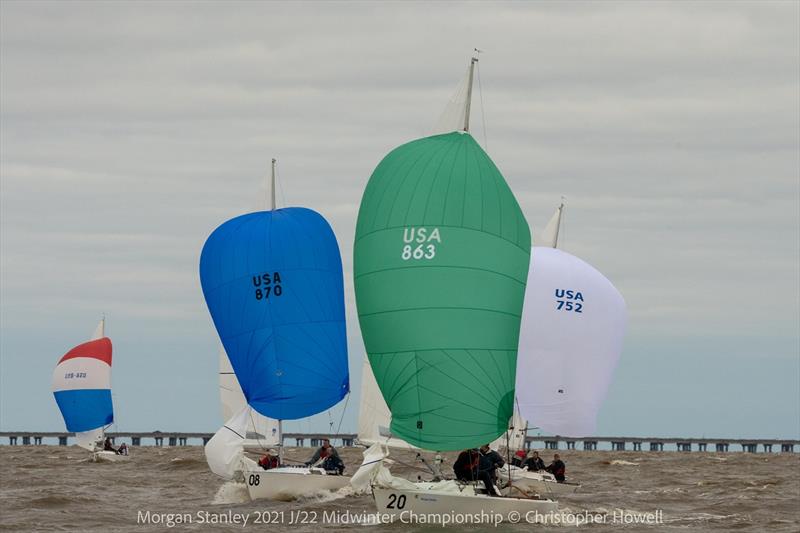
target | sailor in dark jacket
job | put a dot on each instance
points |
(534, 463)
(557, 468)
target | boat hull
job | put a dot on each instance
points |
(288, 483)
(541, 483)
(109, 457)
(431, 502)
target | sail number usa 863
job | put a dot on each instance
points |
(420, 243)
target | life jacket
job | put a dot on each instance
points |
(268, 462)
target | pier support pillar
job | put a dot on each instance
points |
(26, 440)
(570, 444)
(159, 441)
(767, 448)
(12, 441)
(528, 444)
(702, 446)
(684, 446)
(347, 443)
(618, 445)
(62, 440)
(205, 440)
(785, 448)
(637, 446)
(656, 446)
(315, 443)
(299, 442)
(136, 441)
(722, 446)
(182, 441)
(749, 448)
(551, 444)
(37, 441)
(173, 441)
(590, 445)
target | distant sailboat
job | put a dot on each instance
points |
(82, 390)
(441, 259)
(273, 284)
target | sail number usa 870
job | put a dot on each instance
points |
(266, 285)
(420, 243)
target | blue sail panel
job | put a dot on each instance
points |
(85, 409)
(273, 284)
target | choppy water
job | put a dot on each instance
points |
(50, 488)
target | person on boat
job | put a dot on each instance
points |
(269, 461)
(466, 465)
(108, 446)
(557, 468)
(123, 449)
(491, 460)
(333, 464)
(467, 469)
(534, 463)
(324, 451)
(520, 456)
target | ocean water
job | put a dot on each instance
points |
(53, 488)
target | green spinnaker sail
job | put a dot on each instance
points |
(441, 261)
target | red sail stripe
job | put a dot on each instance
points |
(99, 349)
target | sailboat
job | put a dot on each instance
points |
(261, 433)
(273, 284)
(573, 325)
(441, 261)
(82, 390)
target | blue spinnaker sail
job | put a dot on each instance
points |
(273, 284)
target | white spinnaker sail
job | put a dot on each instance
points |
(573, 324)
(374, 417)
(260, 429)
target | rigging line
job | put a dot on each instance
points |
(483, 112)
(344, 410)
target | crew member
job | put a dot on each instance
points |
(557, 468)
(534, 463)
(269, 461)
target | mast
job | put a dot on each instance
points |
(469, 93)
(272, 189)
(558, 222)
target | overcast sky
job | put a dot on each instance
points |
(129, 131)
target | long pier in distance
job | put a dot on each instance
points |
(547, 442)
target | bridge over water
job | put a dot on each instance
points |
(549, 442)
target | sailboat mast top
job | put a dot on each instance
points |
(558, 222)
(272, 190)
(469, 92)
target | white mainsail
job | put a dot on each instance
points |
(260, 431)
(374, 417)
(549, 236)
(573, 324)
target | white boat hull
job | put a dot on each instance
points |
(109, 457)
(290, 483)
(431, 502)
(525, 482)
